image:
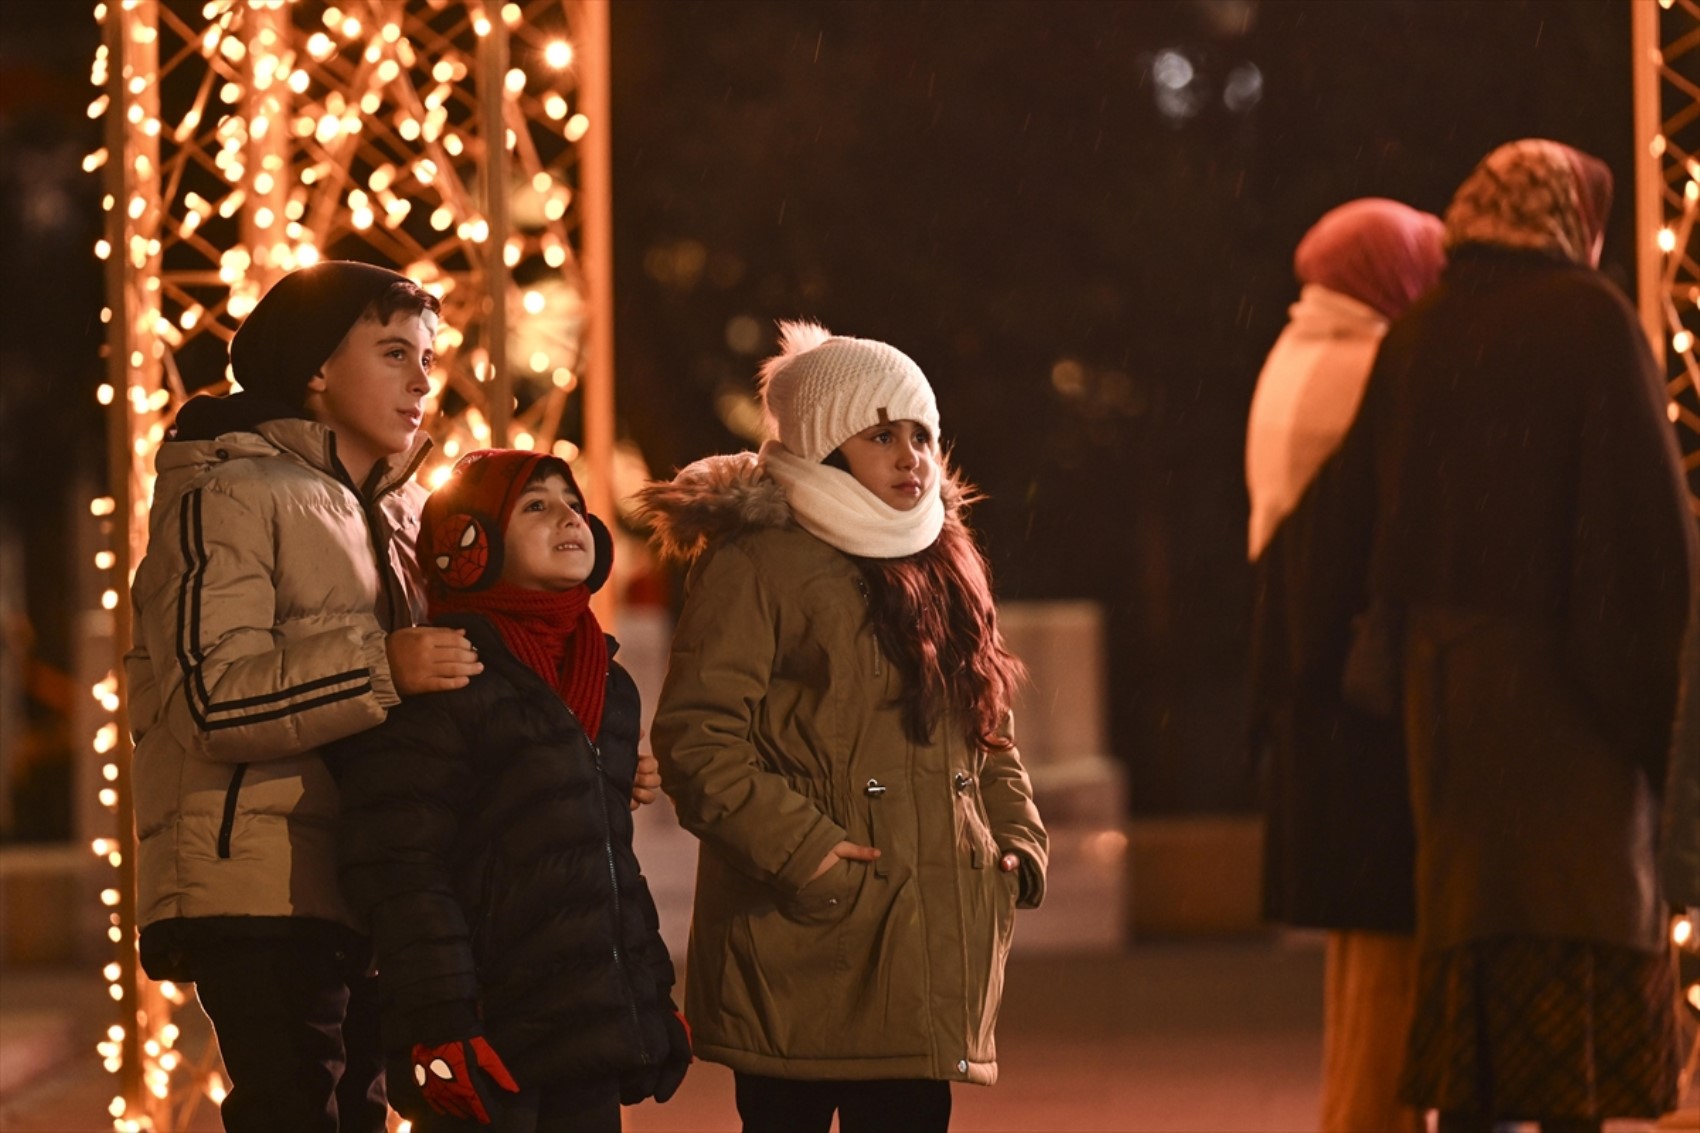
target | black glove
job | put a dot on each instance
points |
(678, 1056)
(662, 1082)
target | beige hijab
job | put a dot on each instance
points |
(1533, 194)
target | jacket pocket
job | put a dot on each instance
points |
(827, 898)
(228, 822)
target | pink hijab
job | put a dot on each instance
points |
(1374, 250)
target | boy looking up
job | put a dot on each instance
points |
(276, 611)
(486, 836)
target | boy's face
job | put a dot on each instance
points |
(548, 545)
(371, 391)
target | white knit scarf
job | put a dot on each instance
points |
(835, 508)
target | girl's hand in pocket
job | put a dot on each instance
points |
(844, 851)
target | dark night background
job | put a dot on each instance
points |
(1089, 264)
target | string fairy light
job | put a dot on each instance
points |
(246, 138)
(1666, 43)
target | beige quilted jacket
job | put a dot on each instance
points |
(260, 616)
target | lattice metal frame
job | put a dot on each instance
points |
(464, 143)
(1666, 39)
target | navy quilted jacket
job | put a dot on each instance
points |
(487, 845)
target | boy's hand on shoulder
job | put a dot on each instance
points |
(430, 659)
(646, 784)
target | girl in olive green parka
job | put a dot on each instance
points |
(835, 729)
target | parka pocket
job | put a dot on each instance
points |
(827, 898)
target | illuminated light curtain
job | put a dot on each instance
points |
(1665, 41)
(1666, 61)
(465, 144)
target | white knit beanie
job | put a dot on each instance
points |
(822, 389)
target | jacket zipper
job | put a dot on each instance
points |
(613, 876)
(229, 822)
(487, 921)
(377, 533)
(613, 883)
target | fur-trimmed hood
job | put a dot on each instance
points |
(719, 496)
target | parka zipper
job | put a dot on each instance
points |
(868, 601)
(229, 821)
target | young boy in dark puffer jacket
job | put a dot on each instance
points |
(486, 837)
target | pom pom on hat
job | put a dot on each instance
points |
(821, 389)
(300, 322)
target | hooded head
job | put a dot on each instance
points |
(822, 389)
(464, 524)
(1536, 195)
(301, 321)
(1379, 252)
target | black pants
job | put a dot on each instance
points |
(1475, 1123)
(887, 1105)
(560, 1109)
(297, 1024)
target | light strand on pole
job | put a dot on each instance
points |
(244, 139)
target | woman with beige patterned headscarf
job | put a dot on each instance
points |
(1531, 550)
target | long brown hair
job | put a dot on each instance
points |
(933, 616)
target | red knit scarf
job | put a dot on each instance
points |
(554, 633)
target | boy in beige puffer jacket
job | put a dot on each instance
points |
(276, 611)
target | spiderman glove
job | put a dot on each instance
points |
(456, 1078)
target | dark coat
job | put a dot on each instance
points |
(488, 845)
(1339, 850)
(1531, 535)
(1679, 844)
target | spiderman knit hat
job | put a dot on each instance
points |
(821, 389)
(464, 523)
(300, 322)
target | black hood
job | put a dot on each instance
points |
(203, 418)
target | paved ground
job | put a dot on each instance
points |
(1165, 1037)
(1205, 1037)
(1218, 1036)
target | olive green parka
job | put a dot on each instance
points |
(780, 734)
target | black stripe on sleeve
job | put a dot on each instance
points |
(189, 657)
(302, 689)
(188, 596)
(291, 709)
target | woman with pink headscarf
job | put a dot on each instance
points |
(1338, 851)
(1360, 266)
(1531, 566)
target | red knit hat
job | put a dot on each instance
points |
(465, 522)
